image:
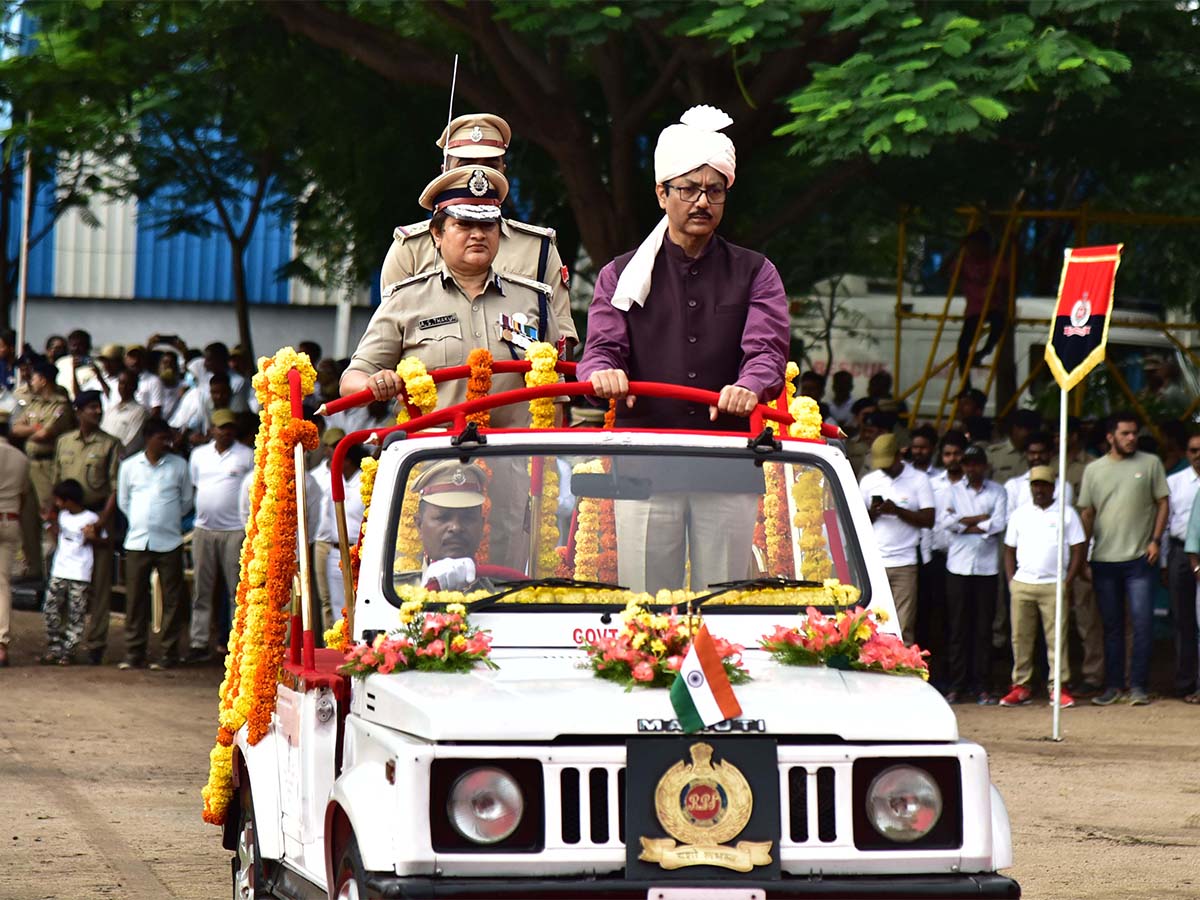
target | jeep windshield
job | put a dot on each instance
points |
(518, 531)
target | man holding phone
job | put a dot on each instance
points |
(900, 502)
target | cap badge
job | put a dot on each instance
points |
(476, 134)
(479, 184)
(459, 477)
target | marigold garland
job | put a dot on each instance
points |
(479, 384)
(587, 528)
(268, 564)
(419, 388)
(807, 416)
(548, 539)
(610, 414)
(790, 374)
(808, 494)
(777, 529)
(335, 637)
(543, 358)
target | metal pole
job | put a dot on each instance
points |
(23, 257)
(1059, 586)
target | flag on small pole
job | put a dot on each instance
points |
(701, 693)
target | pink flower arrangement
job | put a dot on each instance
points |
(427, 642)
(848, 640)
(649, 649)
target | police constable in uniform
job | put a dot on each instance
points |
(92, 457)
(40, 421)
(462, 303)
(525, 250)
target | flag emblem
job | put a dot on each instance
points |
(701, 693)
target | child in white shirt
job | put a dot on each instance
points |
(69, 590)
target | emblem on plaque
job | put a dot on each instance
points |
(479, 184)
(1080, 313)
(704, 806)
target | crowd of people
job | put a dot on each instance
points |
(117, 462)
(126, 449)
(968, 530)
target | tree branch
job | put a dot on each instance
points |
(828, 185)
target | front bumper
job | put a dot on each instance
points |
(898, 887)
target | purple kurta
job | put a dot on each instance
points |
(719, 319)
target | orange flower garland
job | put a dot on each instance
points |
(268, 563)
(480, 383)
(777, 530)
(610, 414)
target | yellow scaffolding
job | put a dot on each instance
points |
(1006, 254)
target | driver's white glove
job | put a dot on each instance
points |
(452, 574)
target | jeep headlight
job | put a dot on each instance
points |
(904, 803)
(485, 805)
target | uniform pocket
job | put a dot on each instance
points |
(440, 346)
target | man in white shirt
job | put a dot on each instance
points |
(154, 491)
(973, 515)
(217, 469)
(216, 361)
(900, 502)
(1039, 451)
(1031, 564)
(149, 386)
(124, 418)
(1183, 486)
(931, 601)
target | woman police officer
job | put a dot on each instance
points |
(441, 315)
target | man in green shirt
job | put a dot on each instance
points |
(1123, 504)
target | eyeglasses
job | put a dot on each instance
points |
(690, 193)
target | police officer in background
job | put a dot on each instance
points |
(39, 422)
(525, 250)
(92, 457)
(462, 303)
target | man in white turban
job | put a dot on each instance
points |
(687, 307)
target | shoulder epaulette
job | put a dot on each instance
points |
(527, 282)
(406, 231)
(532, 229)
(411, 279)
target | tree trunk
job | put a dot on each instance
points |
(241, 299)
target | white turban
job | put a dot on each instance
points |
(696, 141)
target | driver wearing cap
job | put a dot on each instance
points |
(450, 524)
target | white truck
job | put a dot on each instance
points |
(538, 779)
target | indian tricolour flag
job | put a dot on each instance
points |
(701, 693)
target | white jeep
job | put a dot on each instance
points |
(539, 779)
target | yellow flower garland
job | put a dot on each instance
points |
(808, 494)
(789, 382)
(414, 597)
(807, 415)
(268, 564)
(543, 357)
(548, 558)
(419, 386)
(587, 528)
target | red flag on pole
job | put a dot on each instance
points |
(1079, 330)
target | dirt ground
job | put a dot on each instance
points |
(101, 770)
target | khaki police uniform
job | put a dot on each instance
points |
(430, 317)
(14, 493)
(53, 411)
(93, 461)
(1007, 461)
(521, 249)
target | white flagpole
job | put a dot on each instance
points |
(23, 256)
(1059, 585)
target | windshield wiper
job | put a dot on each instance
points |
(512, 587)
(748, 584)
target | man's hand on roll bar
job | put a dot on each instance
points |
(612, 383)
(735, 400)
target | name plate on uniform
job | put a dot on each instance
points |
(437, 321)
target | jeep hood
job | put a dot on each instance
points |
(546, 696)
